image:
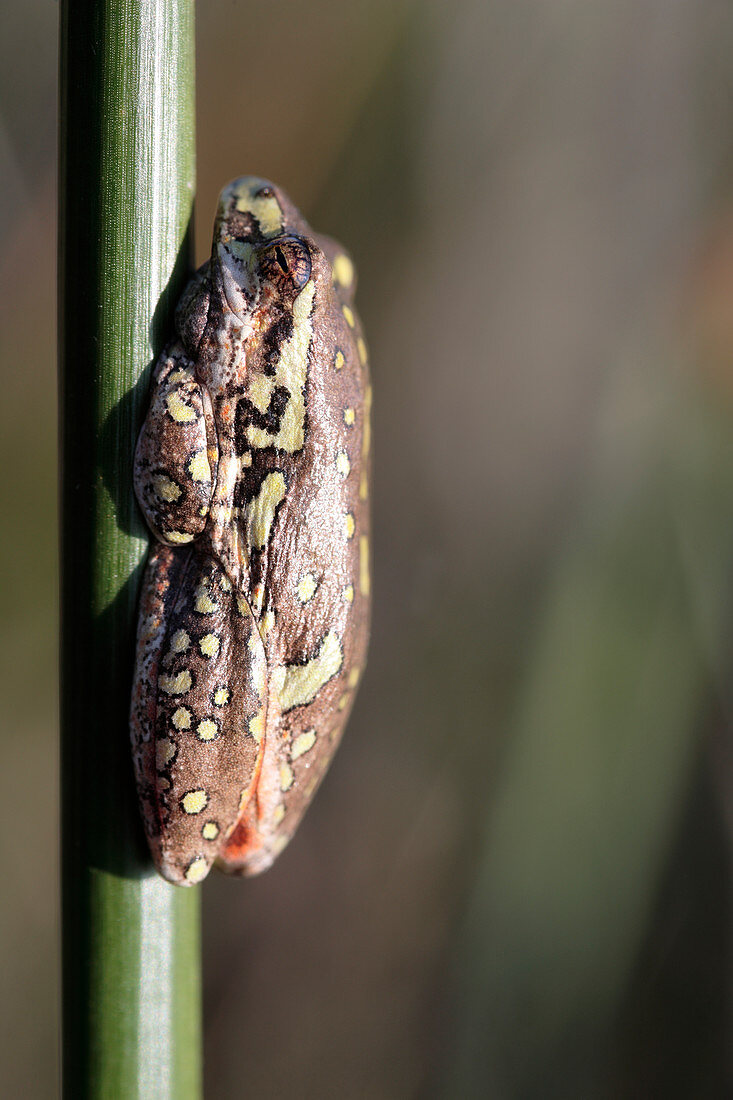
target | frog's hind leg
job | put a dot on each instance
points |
(164, 571)
(210, 720)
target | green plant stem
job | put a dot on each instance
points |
(131, 968)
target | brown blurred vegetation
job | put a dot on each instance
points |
(516, 881)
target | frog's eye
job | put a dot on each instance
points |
(286, 264)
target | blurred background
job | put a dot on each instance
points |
(516, 882)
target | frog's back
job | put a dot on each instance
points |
(306, 521)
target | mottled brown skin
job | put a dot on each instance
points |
(252, 471)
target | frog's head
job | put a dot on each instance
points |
(268, 274)
(262, 246)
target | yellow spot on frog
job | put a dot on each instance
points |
(353, 678)
(291, 372)
(177, 537)
(198, 467)
(349, 593)
(183, 374)
(367, 421)
(207, 730)
(366, 443)
(286, 777)
(210, 830)
(343, 271)
(307, 587)
(339, 360)
(349, 525)
(225, 584)
(261, 510)
(181, 718)
(176, 685)
(180, 642)
(301, 683)
(221, 697)
(257, 726)
(209, 645)
(179, 410)
(193, 802)
(265, 208)
(362, 349)
(303, 743)
(364, 565)
(166, 489)
(349, 417)
(344, 701)
(197, 870)
(203, 602)
(278, 813)
(342, 464)
(349, 316)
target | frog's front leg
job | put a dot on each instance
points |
(177, 453)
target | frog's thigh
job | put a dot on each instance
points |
(175, 467)
(210, 719)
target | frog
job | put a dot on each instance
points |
(252, 470)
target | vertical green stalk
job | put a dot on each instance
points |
(131, 968)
